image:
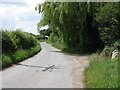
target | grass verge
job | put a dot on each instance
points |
(18, 55)
(56, 45)
(42, 40)
(64, 48)
(102, 72)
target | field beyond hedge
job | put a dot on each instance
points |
(17, 46)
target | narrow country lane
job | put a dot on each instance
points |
(50, 68)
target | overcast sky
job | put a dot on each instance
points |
(19, 14)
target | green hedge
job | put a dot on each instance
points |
(17, 40)
(8, 43)
(24, 40)
(16, 46)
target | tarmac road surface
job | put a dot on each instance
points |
(50, 68)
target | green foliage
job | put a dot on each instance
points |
(102, 72)
(109, 23)
(42, 40)
(117, 45)
(17, 39)
(78, 23)
(57, 45)
(25, 40)
(16, 46)
(45, 32)
(20, 54)
(6, 61)
(53, 37)
(8, 43)
(74, 22)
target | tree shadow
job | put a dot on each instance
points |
(57, 51)
(30, 66)
(50, 68)
(67, 53)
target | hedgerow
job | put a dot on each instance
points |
(17, 39)
(16, 46)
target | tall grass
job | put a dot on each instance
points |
(102, 72)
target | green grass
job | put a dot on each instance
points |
(42, 40)
(18, 55)
(60, 46)
(102, 72)
(64, 48)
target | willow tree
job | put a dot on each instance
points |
(74, 22)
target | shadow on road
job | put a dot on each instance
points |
(45, 68)
(70, 54)
(57, 51)
(30, 66)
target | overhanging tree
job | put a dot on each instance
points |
(74, 22)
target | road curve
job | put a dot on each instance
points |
(48, 69)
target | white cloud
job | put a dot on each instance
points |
(33, 2)
(7, 17)
(19, 15)
(28, 26)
